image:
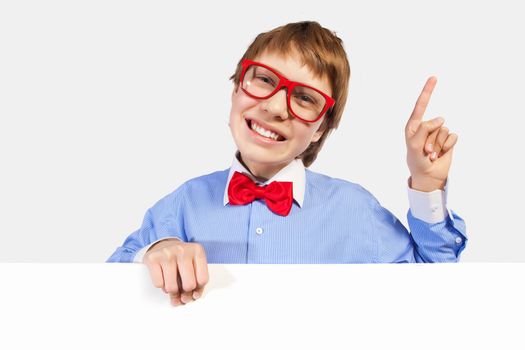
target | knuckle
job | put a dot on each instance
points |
(204, 280)
(434, 131)
(149, 258)
(170, 253)
(167, 253)
(153, 261)
(189, 286)
(428, 125)
(411, 129)
(199, 250)
(172, 289)
(198, 247)
(179, 250)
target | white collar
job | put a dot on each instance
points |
(294, 172)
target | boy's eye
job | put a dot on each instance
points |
(305, 99)
(266, 80)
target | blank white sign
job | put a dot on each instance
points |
(115, 306)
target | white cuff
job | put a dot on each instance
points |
(428, 206)
(139, 256)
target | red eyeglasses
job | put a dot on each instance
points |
(304, 102)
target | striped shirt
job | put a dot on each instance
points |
(331, 221)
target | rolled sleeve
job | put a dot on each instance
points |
(438, 242)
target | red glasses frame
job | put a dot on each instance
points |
(290, 85)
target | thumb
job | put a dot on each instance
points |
(424, 130)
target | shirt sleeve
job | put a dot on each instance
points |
(436, 241)
(164, 220)
(439, 234)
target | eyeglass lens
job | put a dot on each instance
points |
(304, 101)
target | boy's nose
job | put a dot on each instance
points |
(277, 105)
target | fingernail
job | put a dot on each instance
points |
(434, 155)
(430, 146)
(440, 120)
(196, 295)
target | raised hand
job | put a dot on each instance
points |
(429, 145)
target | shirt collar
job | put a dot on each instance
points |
(294, 172)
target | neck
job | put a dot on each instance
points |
(261, 172)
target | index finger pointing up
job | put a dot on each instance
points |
(422, 101)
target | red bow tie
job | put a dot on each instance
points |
(278, 195)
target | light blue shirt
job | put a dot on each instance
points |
(331, 221)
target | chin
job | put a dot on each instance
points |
(264, 157)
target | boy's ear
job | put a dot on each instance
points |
(234, 90)
(317, 135)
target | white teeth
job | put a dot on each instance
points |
(266, 133)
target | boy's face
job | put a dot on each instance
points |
(265, 156)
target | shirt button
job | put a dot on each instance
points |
(259, 230)
(458, 240)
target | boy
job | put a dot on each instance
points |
(289, 93)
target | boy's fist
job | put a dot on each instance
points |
(179, 268)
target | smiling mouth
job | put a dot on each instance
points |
(256, 128)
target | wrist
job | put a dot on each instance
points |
(163, 243)
(426, 184)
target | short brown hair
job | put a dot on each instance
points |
(322, 51)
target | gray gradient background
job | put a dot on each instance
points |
(107, 106)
